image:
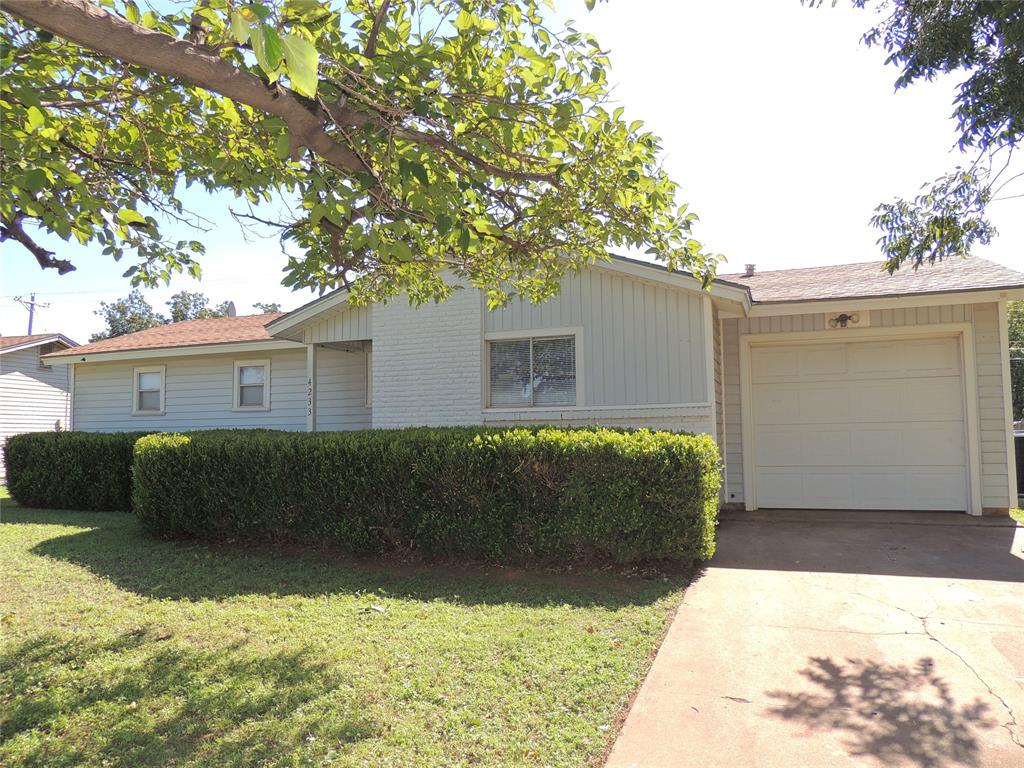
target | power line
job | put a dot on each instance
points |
(31, 305)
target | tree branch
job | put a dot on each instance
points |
(378, 21)
(11, 229)
(92, 27)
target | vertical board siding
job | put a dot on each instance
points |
(341, 390)
(198, 394)
(32, 398)
(342, 324)
(988, 368)
(643, 344)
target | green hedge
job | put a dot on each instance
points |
(71, 470)
(485, 494)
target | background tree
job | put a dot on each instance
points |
(983, 40)
(185, 305)
(134, 313)
(266, 307)
(413, 136)
(127, 315)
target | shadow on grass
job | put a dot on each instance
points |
(134, 701)
(893, 713)
(115, 547)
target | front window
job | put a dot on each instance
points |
(148, 390)
(252, 384)
(533, 372)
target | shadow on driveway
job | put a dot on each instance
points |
(927, 544)
(894, 713)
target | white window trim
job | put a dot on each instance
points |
(235, 395)
(529, 335)
(162, 370)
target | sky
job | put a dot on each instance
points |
(781, 127)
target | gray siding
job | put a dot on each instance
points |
(198, 394)
(32, 398)
(643, 343)
(988, 366)
(342, 324)
(341, 390)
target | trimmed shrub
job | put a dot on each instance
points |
(71, 470)
(485, 494)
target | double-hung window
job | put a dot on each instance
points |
(148, 390)
(532, 372)
(252, 385)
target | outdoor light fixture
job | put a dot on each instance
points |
(841, 321)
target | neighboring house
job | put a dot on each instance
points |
(834, 387)
(34, 395)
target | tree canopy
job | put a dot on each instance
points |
(413, 136)
(983, 41)
(133, 313)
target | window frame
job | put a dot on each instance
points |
(162, 370)
(575, 333)
(236, 392)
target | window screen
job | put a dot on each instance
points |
(251, 385)
(147, 391)
(533, 372)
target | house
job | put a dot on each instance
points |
(34, 395)
(833, 387)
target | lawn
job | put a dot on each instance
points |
(120, 650)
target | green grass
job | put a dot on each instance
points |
(120, 650)
(1018, 515)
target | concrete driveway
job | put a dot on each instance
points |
(842, 639)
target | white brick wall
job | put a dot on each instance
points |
(427, 362)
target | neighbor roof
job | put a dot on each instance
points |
(868, 280)
(189, 333)
(10, 343)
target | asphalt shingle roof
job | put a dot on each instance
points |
(216, 330)
(6, 342)
(868, 280)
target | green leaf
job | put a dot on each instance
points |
(303, 63)
(131, 12)
(443, 223)
(239, 27)
(401, 251)
(36, 118)
(272, 45)
(266, 44)
(128, 216)
(282, 147)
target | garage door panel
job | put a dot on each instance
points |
(881, 358)
(893, 488)
(940, 356)
(823, 360)
(776, 404)
(873, 425)
(775, 363)
(863, 445)
(908, 399)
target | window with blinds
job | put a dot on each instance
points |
(533, 372)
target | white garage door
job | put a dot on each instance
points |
(859, 425)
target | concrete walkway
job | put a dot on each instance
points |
(833, 639)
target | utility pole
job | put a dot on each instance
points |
(31, 305)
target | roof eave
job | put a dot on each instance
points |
(888, 301)
(186, 350)
(57, 337)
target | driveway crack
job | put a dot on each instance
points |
(1011, 725)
